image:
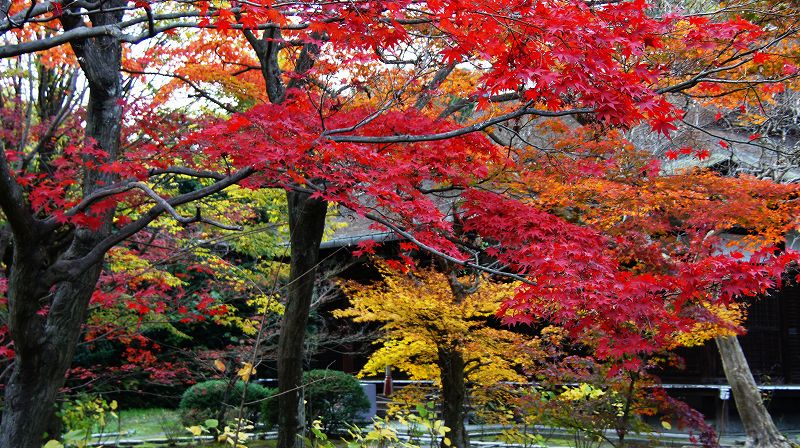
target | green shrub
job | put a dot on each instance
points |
(205, 400)
(332, 396)
(269, 409)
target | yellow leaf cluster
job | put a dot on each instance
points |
(264, 304)
(729, 318)
(246, 371)
(140, 270)
(580, 392)
(420, 315)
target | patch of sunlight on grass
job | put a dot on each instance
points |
(145, 423)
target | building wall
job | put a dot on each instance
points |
(771, 345)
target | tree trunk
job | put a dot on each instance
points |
(45, 319)
(758, 425)
(44, 348)
(623, 423)
(306, 224)
(454, 393)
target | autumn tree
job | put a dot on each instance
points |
(326, 136)
(274, 42)
(59, 224)
(671, 225)
(595, 398)
(436, 327)
(747, 131)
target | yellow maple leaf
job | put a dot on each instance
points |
(246, 371)
(195, 430)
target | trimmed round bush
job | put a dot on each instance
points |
(205, 400)
(332, 396)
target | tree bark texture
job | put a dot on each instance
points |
(454, 396)
(45, 318)
(306, 224)
(44, 349)
(759, 428)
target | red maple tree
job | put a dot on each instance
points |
(604, 61)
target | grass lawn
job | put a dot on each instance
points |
(157, 423)
(144, 424)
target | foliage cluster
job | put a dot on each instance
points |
(209, 399)
(83, 416)
(96, 192)
(234, 433)
(595, 399)
(424, 430)
(420, 315)
(334, 398)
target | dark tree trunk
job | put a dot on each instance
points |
(623, 423)
(306, 224)
(45, 318)
(758, 425)
(454, 395)
(452, 368)
(44, 348)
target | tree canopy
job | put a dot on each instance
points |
(382, 107)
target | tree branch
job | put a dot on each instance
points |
(427, 248)
(127, 185)
(461, 103)
(269, 65)
(13, 202)
(186, 172)
(407, 138)
(305, 61)
(427, 93)
(191, 84)
(62, 268)
(166, 206)
(740, 59)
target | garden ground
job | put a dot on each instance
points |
(151, 428)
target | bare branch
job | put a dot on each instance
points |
(427, 93)
(19, 19)
(406, 138)
(70, 268)
(166, 206)
(190, 83)
(733, 62)
(450, 258)
(186, 172)
(83, 32)
(461, 103)
(92, 198)
(382, 57)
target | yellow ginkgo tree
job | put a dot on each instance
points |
(436, 326)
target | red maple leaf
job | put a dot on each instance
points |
(663, 125)
(759, 57)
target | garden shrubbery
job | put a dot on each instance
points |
(205, 400)
(336, 398)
